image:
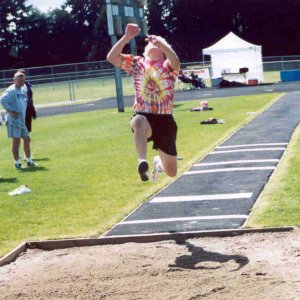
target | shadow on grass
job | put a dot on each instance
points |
(8, 180)
(41, 159)
(188, 109)
(199, 255)
(177, 105)
(33, 169)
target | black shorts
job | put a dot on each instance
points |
(164, 132)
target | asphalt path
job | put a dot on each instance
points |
(179, 96)
(219, 191)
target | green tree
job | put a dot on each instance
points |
(12, 13)
(65, 39)
(35, 40)
(192, 25)
(90, 16)
(158, 13)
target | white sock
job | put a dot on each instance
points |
(141, 159)
(29, 159)
(159, 165)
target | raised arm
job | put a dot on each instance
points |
(166, 49)
(114, 55)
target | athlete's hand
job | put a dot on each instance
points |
(154, 40)
(132, 30)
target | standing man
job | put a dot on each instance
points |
(14, 102)
(30, 110)
(154, 80)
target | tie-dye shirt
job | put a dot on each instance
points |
(154, 84)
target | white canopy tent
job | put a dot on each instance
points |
(232, 53)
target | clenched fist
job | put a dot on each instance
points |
(132, 30)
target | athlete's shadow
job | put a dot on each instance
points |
(177, 105)
(198, 255)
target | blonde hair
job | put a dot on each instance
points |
(150, 45)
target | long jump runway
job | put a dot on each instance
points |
(219, 191)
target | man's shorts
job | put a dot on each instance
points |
(16, 132)
(164, 132)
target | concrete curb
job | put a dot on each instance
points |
(179, 236)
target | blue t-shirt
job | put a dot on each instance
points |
(14, 99)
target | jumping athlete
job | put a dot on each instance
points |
(154, 80)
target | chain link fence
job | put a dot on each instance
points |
(59, 73)
(95, 80)
(69, 82)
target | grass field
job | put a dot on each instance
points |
(97, 88)
(86, 177)
(279, 203)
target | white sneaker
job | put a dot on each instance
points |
(23, 189)
(157, 168)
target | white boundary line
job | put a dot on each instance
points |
(228, 170)
(247, 150)
(252, 145)
(230, 162)
(235, 196)
(165, 220)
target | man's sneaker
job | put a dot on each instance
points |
(30, 164)
(157, 169)
(23, 189)
(143, 169)
(18, 166)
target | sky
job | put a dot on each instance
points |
(44, 5)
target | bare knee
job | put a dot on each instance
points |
(170, 169)
(171, 173)
(139, 123)
(169, 163)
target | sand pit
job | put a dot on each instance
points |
(250, 266)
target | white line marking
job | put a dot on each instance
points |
(201, 197)
(228, 170)
(250, 145)
(247, 150)
(164, 220)
(230, 162)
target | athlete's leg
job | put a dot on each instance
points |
(141, 132)
(169, 163)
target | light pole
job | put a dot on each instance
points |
(119, 14)
(118, 79)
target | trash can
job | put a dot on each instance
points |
(252, 81)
